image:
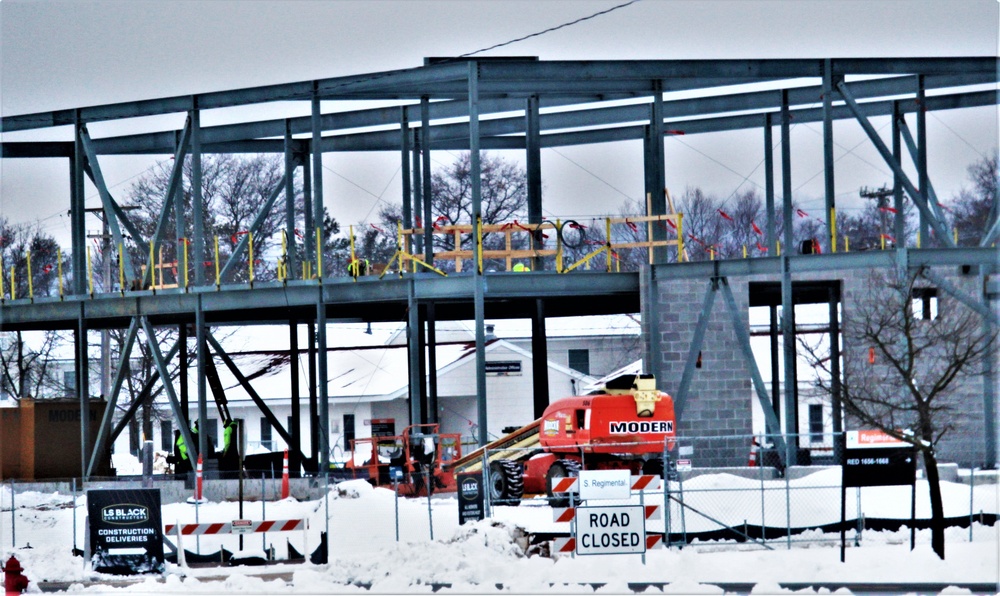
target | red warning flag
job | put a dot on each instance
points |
(725, 215)
(756, 229)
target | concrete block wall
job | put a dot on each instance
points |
(720, 397)
(718, 403)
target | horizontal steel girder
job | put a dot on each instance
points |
(507, 295)
(455, 135)
(447, 80)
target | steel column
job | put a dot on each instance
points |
(291, 257)
(659, 199)
(197, 202)
(322, 382)
(180, 235)
(432, 380)
(787, 301)
(404, 150)
(539, 360)
(108, 202)
(296, 415)
(533, 167)
(989, 377)
(831, 224)
(182, 344)
(418, 190)
(174, 182)
(835, 382)
(479, 290)
(317, 215)
(772, 234)
(313, 398)
(422, 362)
(413, 354)
(83, 388)
(922, 156)
(425, 148)
(200, 338)
(77, 213)
(308, 237)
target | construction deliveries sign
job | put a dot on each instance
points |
(125, 532)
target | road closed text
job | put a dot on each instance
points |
(611, 530)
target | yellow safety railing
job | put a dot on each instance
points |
(31, 285)
(401, 256)
(458, 255)
(610, 247)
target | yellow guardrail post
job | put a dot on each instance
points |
(283, 261)
(680, 237)
(13, 284)
(607, 245)
(711, 253)
(954, 235)
(1, 279)
(779, 247)
(121, 268)
(833, 229)
(31, 285)
(218, 278)
(479, 242)
(319, 254)
(185, 264)
(250, 260)
(744, 251)
(847, 243)
(90, 273)
(58, 271)
(559, 247)
(353, 267)
(152, 269)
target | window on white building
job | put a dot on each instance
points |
(579, 360)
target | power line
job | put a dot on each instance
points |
(550, 29)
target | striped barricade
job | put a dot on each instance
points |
(568, 514)
(571, 484)
(278, 525)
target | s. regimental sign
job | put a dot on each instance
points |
(125, 531)
(874, 458)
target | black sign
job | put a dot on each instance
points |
(383, 427)
(880, 466)
(470, 497)
(126, 534)
(502, 368)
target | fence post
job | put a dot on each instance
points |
(666, 496)
(73, 488)
(13, 520)
(430, 516)
(684, 533)
(972, 491)
(763, 524)
(395, 490)
(486, 484)
(263, 512)
(642, 504)
(788, 510)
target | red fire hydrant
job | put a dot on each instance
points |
(13, 581)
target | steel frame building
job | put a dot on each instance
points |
(478, 104)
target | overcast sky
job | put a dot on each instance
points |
(65, 54)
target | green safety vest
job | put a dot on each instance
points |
(181, 447)
(227, 437)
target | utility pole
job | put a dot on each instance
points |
(105, 237)
(881, 196)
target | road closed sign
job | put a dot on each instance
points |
(615, 530)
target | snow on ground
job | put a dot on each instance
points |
(475, 557)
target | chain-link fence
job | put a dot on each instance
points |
(765, 502)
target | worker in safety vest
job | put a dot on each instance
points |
(230, 459)
(182, 463)
(521, 267)
(358, 267)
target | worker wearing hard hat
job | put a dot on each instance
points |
(521, 267)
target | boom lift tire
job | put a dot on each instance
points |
(561, 468)
(506, 482)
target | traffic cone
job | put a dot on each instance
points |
(197, 484)
(284, 477)
(754, 448)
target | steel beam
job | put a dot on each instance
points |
(979, 306)
(245, 383)
(317, 159)
(432, 368)
(258, 221)
(146, 392)
(918, 157)
(899, 219)
(539, 361)
(173, 184)
(110, 213)
(101, 442)
(533, 172)
(201, 333)
(680, 398)
(772, 234)
(296, 416)
(404, 169)
(83, 388)
(77, 214)
(161, 368)
(915, 195)
(743, 339)
(413, 356)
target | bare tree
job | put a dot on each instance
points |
(902, 368)
(973, 208)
